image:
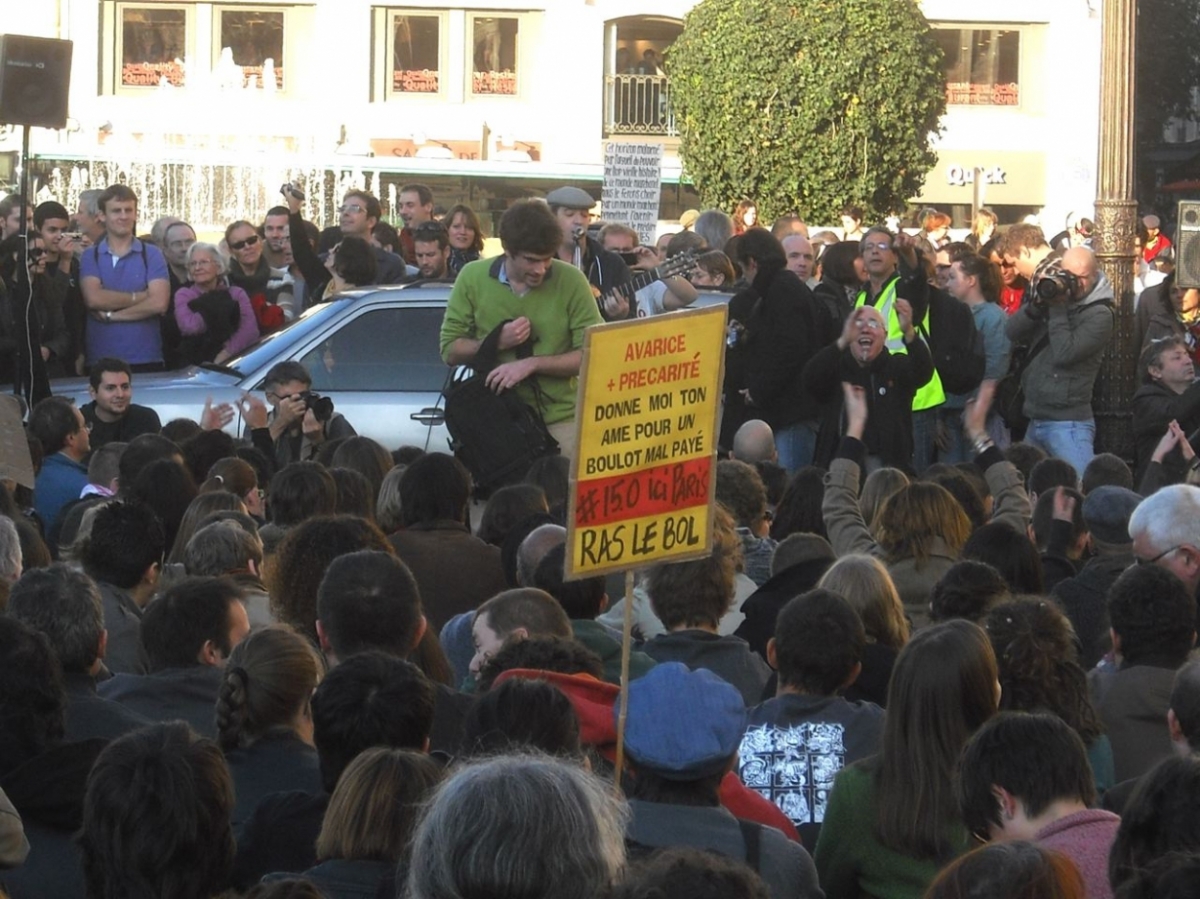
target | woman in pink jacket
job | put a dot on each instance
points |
(215, 318)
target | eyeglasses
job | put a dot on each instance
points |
(870, 324)
(1165, 552)
(242, 244)
(881, 246)
(352, 207)
(196, 263)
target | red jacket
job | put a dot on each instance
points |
(594, 701)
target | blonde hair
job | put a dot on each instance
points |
(863, 581)
(375, 806)
(880, 486)
(918, 515)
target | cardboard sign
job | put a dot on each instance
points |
(647, 416)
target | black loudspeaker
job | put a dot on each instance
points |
(1187, 244)
(35, 80)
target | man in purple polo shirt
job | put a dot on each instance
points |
(126, 288)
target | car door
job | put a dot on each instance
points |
(381, 368)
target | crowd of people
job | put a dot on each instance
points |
(927, 656)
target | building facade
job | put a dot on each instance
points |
(206, 107)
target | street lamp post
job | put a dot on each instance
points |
(1116, 223)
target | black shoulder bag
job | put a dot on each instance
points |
(495, 435)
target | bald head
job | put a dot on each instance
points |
(799, 253)
(534, 548)
(754, 442)
(1081, 262)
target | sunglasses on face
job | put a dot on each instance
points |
(351, 207)
(242, 244)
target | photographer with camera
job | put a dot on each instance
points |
(1065, 321)
(300, 420)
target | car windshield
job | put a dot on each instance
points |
(265, 350)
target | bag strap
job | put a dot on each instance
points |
(752, 837)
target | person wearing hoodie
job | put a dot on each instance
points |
(1066, 320)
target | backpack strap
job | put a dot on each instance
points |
(752, 837)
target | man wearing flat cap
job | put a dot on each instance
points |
(681, 735)
(605, 271)
(1156, 243)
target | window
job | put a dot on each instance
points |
(153, 41)
(981, 65)
(416, 54)
(382, 350)
(251, 40)
(494, 53)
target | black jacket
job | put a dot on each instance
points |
(274, 763)
(91, 717)
(762, 607)
(605, 270)
(783, 331)
(48, 792)
(1084, 599)
(1154, 407)
(890, 382)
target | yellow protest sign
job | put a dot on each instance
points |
(644, 476)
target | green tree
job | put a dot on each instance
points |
(807, 105)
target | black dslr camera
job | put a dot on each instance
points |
(321, 406)
(1056, 284)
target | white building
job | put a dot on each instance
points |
(205, 107)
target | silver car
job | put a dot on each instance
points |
(374, 352)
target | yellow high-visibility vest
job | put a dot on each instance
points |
(931, 394)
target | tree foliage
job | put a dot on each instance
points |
(807, 105)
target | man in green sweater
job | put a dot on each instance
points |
(532, 297)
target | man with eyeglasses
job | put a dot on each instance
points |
(894, 272)
(887, 380)
(1165, 528)
(536, 301)
(126, 288)
(358, 214)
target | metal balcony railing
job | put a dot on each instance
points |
(638, 104)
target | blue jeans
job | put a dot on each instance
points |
(924, 427)
(957, 448)
(1073, 441)
(796, 444)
